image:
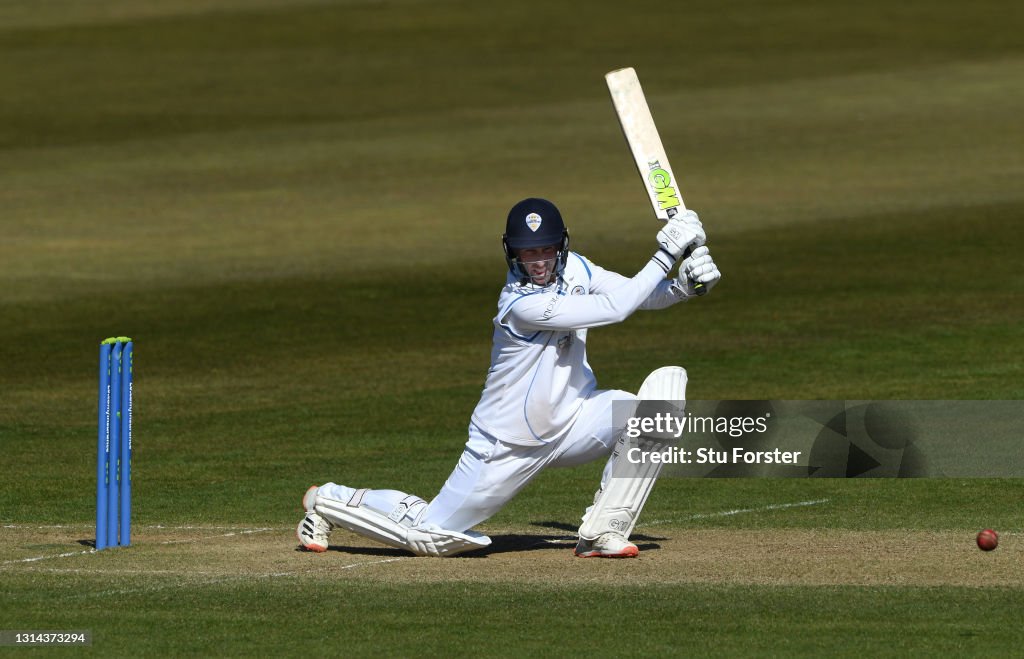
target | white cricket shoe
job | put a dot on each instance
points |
(609, 545)
(314, 531)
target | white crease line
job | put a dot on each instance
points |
(555, 541)
(386, 560)
(41, 527)
(213, 537)
(148, 526)
(242, 529)
(43, 558)
(47, 526)
(738, 511)
(166, 542)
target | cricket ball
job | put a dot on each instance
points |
(988, 540)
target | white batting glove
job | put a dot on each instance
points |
(698, 268)
(679, 234)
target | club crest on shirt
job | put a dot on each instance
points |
(565, 342)
(533, 221)
(577, 290)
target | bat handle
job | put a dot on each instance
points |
(698, 288)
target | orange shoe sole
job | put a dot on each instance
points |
(626, 553)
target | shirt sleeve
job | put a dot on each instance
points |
(664, 295)
(603, 281)
(552, 311)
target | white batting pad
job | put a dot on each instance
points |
(353, 515)
(618, 503)
(434, 541)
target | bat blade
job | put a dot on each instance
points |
(641, 134)
(644, 142)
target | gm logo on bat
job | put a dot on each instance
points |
(661, 183)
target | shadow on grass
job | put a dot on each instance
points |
(573, 528)
(502, 544)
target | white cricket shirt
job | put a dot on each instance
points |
(539, 375)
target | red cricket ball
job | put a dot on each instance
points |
(988, 540)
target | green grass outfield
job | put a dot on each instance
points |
(294, 209)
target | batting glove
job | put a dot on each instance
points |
(679, 234)
(698, 268)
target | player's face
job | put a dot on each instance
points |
(539, 263)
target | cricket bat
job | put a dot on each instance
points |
(645, 144)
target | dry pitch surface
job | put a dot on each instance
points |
(191, 557)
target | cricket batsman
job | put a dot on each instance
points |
(540, 405)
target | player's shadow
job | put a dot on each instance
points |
(384, 552)
(518, 542)
(500, 544)
(505, 543)
(573, 528)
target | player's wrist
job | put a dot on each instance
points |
(664, 260)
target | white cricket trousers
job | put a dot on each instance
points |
(491, 472)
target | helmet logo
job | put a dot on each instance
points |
(533, 221)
